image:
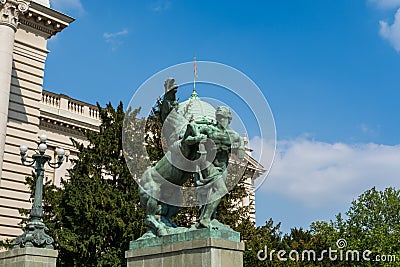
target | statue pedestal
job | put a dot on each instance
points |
(37, 257)
(195, 248)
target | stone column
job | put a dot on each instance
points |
(10, 10)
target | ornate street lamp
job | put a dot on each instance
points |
(35, 231)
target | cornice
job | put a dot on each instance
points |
(61, 127)
(43, 20)
(67, 122)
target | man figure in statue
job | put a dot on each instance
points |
(213, 179)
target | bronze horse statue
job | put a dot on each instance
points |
(158, 181)
(190, 153)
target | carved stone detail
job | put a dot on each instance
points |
(34, 236)
(42, 23)
(10, 10)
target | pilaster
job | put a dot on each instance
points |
(10, 12)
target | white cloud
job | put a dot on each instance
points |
(67, 5)
(108, 36)
(113, 40)
(161, 5)
(369, 130)
(319, 174)
(365, 129)
(386, 3)
(392, 32)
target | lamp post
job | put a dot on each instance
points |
(35, 230)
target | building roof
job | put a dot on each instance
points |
(196, 109)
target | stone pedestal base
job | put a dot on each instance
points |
(199, 252)
(28, 257)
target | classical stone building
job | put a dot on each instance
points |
(26, 110)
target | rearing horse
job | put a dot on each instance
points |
(157, 182)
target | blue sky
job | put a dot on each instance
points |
(329, 70)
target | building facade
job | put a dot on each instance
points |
(26, 110)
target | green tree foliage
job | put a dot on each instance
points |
(372, 223)
(6, 244)
(264, 238)
(153, 136)
(99, 204)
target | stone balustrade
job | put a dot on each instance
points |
(68, 107)
(51, 99)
